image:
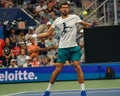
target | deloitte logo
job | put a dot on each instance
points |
(17, 75)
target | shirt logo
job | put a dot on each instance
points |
(66, 29)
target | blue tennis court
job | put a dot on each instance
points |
(97, 92)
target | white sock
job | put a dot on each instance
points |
(82, 86)
(49, 87)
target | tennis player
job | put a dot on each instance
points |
(67, 45)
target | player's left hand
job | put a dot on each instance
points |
(94, 23)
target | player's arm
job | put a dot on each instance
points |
(45, 34)
(87, 25)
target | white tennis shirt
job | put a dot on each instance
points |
(68, 30)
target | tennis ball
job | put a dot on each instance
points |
(84, 13)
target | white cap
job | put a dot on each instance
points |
(13, 60)
(28, 57)
(48, 23)
(31, 28)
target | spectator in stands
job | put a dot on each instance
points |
(28, 62)
(51, 20)
(1, 46)
(33, 48)
(43, 51)
(13, 63)
(21, 59)
(24, 5)
(48, 62)
(28, 34)
(7, 52)
(51, 45)
(52, 16)
(35, 61)
(45, 17)
(16, 50)
(46, 14)
(7, 3)
(43, 20)
(56, 8)
(18, 44)
(51, 3)
(1, 64)
(40, 8)
(13, 37)
(30, 7)
(49, 24)
(14, 3)
(31, 31)
(21, 39)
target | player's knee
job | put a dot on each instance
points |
(58, 68)
(77, 68)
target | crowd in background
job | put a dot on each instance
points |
(17, 50)
(20, 51)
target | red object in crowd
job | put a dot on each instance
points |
(16, 51)
(1, 46)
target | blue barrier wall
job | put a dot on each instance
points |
(91, 71)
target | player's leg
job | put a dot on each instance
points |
(55, 73)
(61, 58)
(53, 78)
(80, 77)
(75, 57)
(79, 71)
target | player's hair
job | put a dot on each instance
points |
(64, 3)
